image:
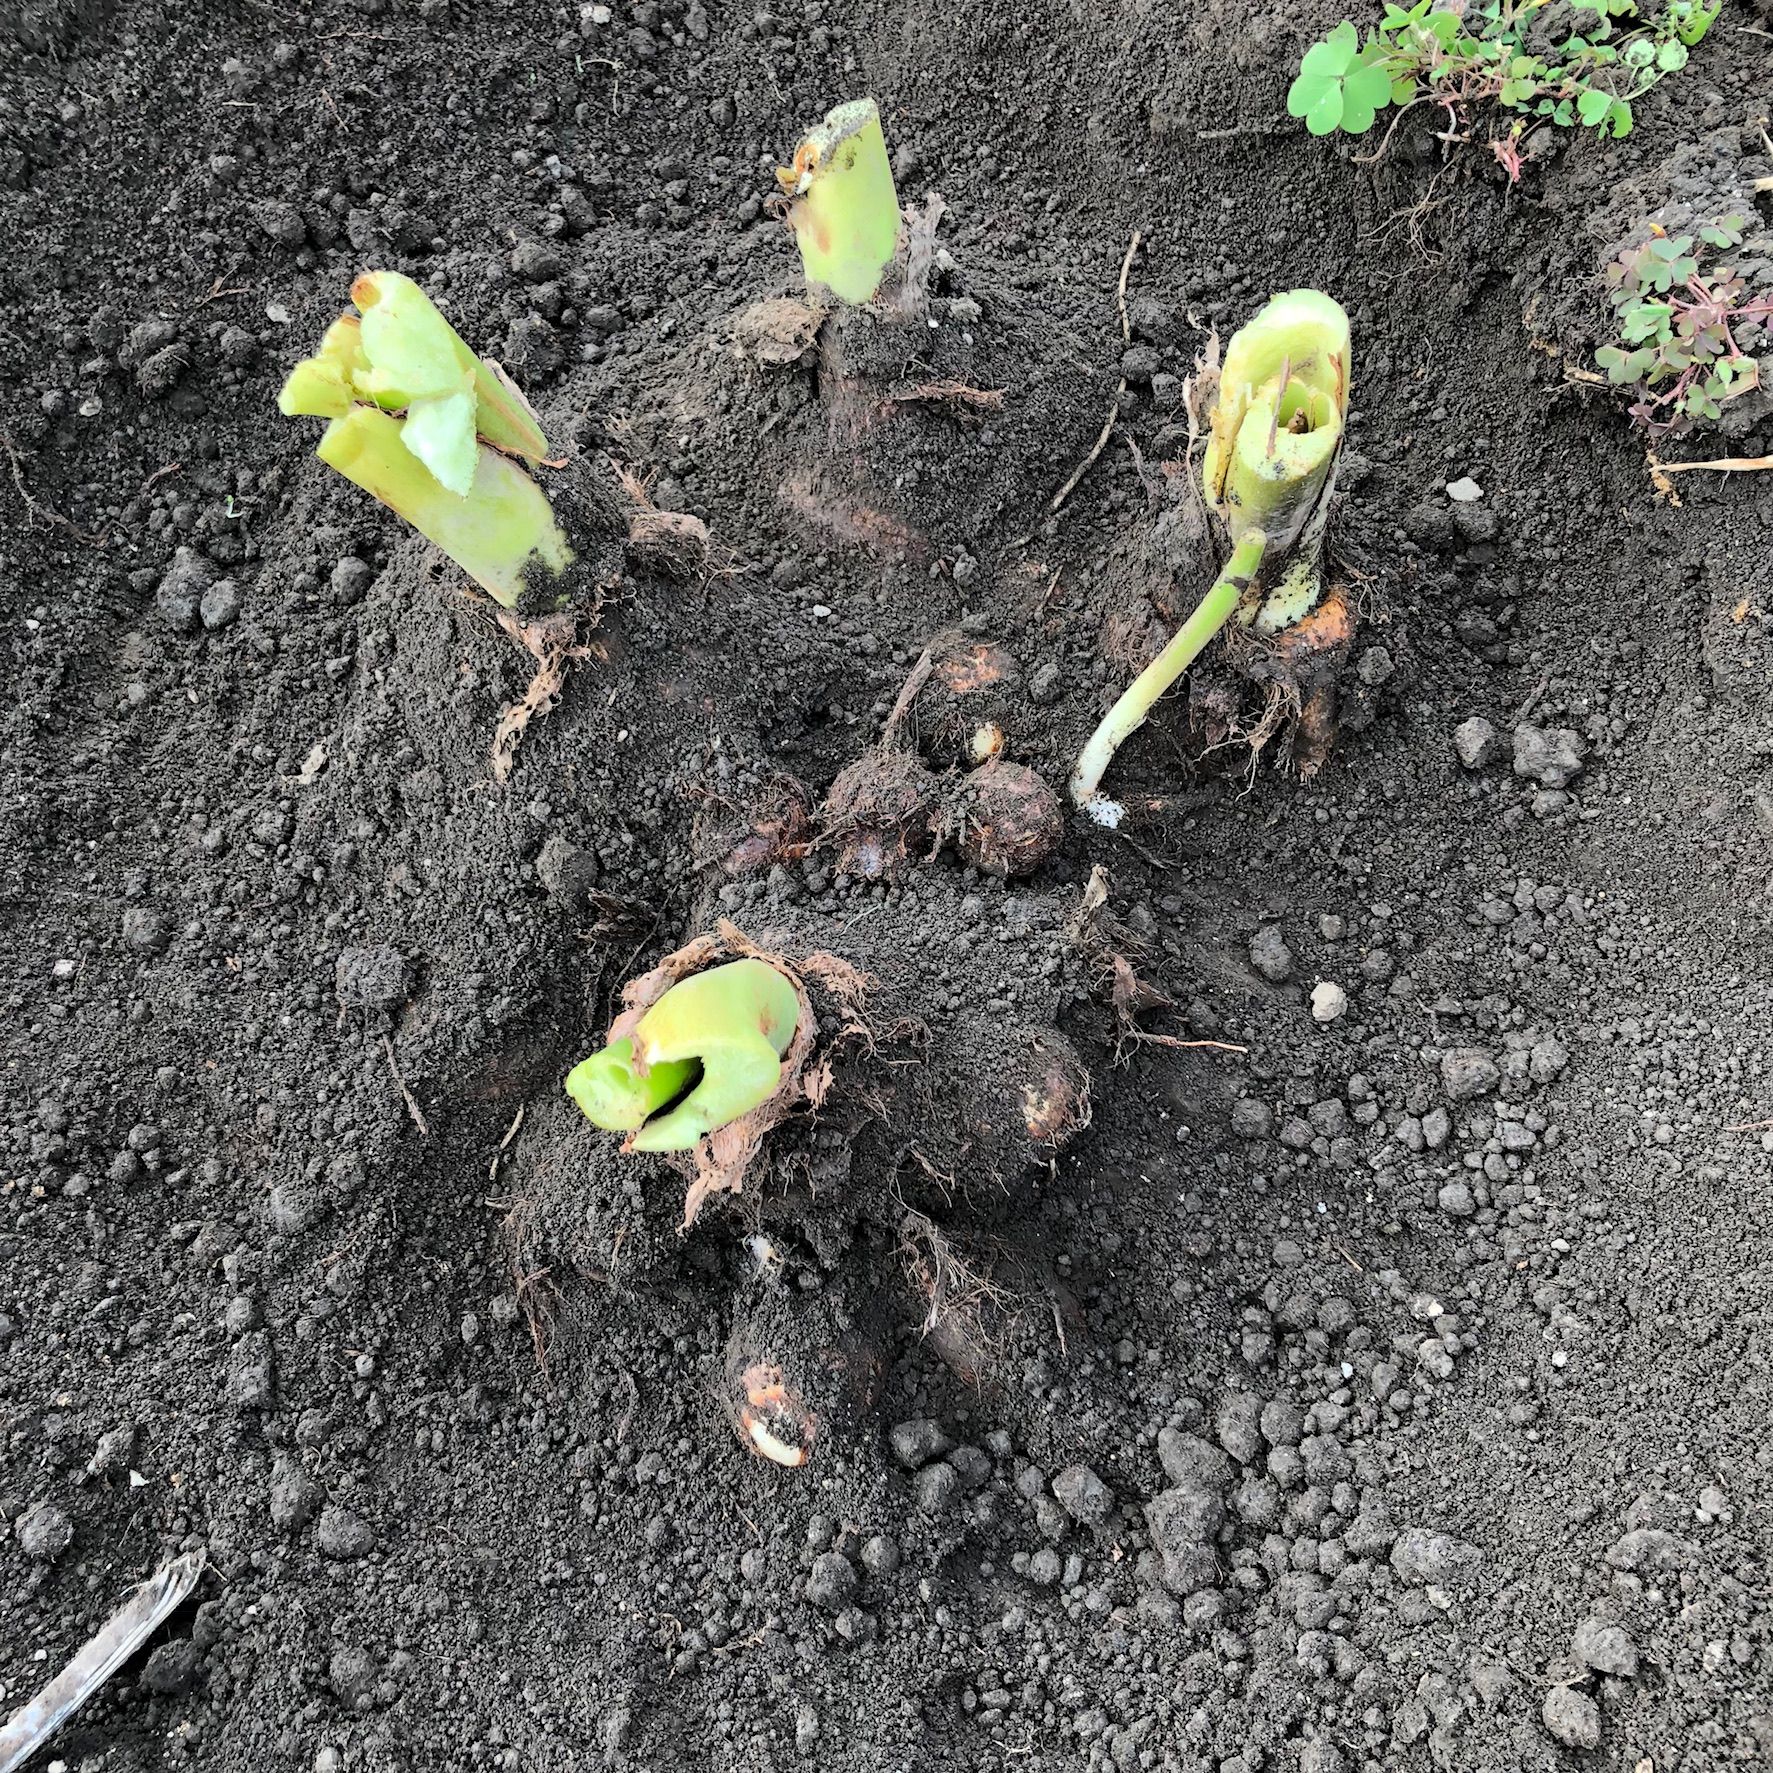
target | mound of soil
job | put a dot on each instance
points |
(1277, 1287)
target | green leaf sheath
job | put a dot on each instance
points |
(613, 1094)
(720, 1034)
(500, 534)
(1130, 713)
(429, 428)
(845, 208)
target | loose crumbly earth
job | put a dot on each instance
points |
(1392, 1393)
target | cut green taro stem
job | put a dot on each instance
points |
(496, 534)
(442, 464)
(845, 209)
(732, 1024)
(613, 1094)
(403, 356)
(1274, 438)
(1129, 713)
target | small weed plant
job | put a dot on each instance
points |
(1678, 318)
(1503, 52)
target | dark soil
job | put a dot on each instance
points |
(1389, 1393)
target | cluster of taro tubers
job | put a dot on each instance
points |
(733, 1085)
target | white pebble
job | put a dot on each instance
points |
(1328, 1001)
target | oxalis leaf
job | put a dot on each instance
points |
(1325, 112)
(1365, 93)
(1318, 101)
(1592, 105)
(1334, 55)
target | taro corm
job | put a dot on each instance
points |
(843, 206)
(1274, 438)
(432, 431)
(718, 1035)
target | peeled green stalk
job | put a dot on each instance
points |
(324, 386)
(404, 357)
(1274, 439)
(499, 533)
(845, 208)
(429, 428)
(414, 356)
(731, 1024)
(1303, 333)
(614, 1095)
(1136, 702)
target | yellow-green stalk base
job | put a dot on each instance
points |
(845, 209)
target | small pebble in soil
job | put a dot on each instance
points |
(1474, 742)
(1467, 1072)
(374, 978)
(145, 930)
(1423, 1556)
(220, 605)
(1572, 1718)
(1329, 1002)
(1083, 1495)
(115, 1449)
(937, 1487)
(43, 1532)
(343, 1534)
(1605, 1647)
(1251, 1119)
(1270, 955)
(916, 1442)
(832, 1583)
(1375, 666)
(179, 595)
(880, 1555)
(351, 577)
(1456, 1201)
(1552, 757)
(294, 1495)
(172, 1668)
(567, 872)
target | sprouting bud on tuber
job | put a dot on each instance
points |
(720, 1034)
(1274, 438)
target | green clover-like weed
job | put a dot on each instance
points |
(1675, 344)
(1340, 85)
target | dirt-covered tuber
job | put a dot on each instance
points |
(1008, 821)
(751, 834)
(798, 1366)
(880, 811)
(968, 701)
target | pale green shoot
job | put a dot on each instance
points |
(721, 1034)
(844, 208)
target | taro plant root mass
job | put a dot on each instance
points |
(1274, 438)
